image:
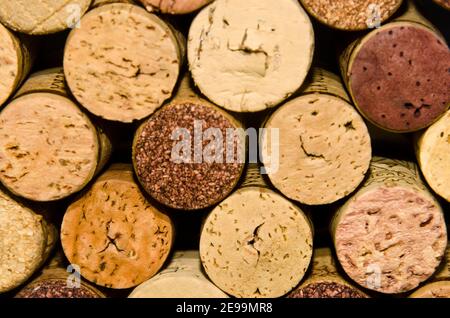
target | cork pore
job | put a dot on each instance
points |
(48, 147)
(256, 244)
(9, 64)
(239, 55)
(433, 290)
(174, 6)
(394, 84)
(324, 149)
(390, 239)
(39, 17)
(123, 63)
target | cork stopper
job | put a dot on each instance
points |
(239, 56)
(174, 6)
(127, 74)
(182, 278)
(390, 236)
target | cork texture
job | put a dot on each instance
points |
(114, 234)
(174, 6)
(240, 55)
(433, 290)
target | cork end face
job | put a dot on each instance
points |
(174, 6)
(239, 56)
(56, 288)
(391, 239)
(394, 84)
(48, 147)
(9, 64)
(326, 289)
(434, 290)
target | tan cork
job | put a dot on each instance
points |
(174, 6)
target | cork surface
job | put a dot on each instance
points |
(9, 64)
(116, 237)
(174, 6)
(48, 147)
(434, 290)
(39, 17)
(126, 74)
(433, 154)
(326, 290)
(256, 244)
(324, 149)
(56, 288)
(394, 84)
(240, 55)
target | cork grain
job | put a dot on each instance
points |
(174, 6)
(433, 290)
(9, 64)
(326, 290)
(56, 288)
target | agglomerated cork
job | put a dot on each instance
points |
(26, 240)
(182, 278)
(114, 234)
(40, 17)
(124, 74)
(174, 6)
(49, 149)
(256, 243)
(433, 155)
(324, 145)
(351, 15)
(245, 55)
(391, 235)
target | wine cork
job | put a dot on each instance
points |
(127, 74)
(324, 280)
(182, 278)
(98, 3)
(390, 236)
(209, 168)
(256, 243)
(324, 145)
(116, 237)
(16, 60)
(49, 148)
(351, 15)
(398, 74)
(250, 55)
(443, 3)
(174, 6)
(433, 155)
(26, 240)
(42, 16)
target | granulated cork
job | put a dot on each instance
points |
(174, 6)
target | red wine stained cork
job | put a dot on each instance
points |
(42, 16)
(324, 145)
(398, 74)
(116, 237)
(125, 74)
(390, 236)
(443, 3)
(174, 6)
(433, 155)
(16, 60)
(182, 278)
(250, 55)
(49, 149)
(208, 173)
(324, 280)
(351, 15)
(256, 243)
(26, 240)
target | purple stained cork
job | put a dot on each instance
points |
(57, 288)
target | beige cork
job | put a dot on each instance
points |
(116, 237)
(174, 6)
(245, 55)
(433, 155)
(49, 149)
(182, 278)
(323, 148)
(98, 3)
(26, 240)
(125, 74)
(256, 243)
(390, 236)
(41, 17)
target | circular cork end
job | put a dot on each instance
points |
(174, 6)
(326, 289)
(434, 156)
(390, 239)
(57, 288)
(9, 64)
(43, 16)
(351, 15)
(434, 290)
(239, 56)
(191, 184)
(394, 84)
(22, 243)
(116, 237)
(323, 155)
(48, 147)
(256, 244)
(125, 74)
(443, 3)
